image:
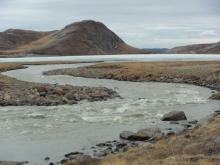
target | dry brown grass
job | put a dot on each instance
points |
(44, 41)
(154, 70)
(203, 73)
(200, 147)
(197, 148)
(10, 66)
(19, 65)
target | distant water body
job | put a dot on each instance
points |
(125, 57)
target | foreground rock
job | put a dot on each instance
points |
(215, 96)
(142, 135)
(101, 150)
(17, 93)
(174, 116)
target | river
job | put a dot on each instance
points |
(31, 133)
(126, 57)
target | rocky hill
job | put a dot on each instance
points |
(213, 48)
(13, 38)
(80, 38)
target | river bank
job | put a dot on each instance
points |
(18, 93)
(98, 161)
(200, 146)
(202, 73)
(190, 147)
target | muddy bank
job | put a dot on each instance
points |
(203, 73)
(18, 93)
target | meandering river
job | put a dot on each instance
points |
(32, 133)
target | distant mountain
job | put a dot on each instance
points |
(213, 48)
(80, 38)
(157, 50)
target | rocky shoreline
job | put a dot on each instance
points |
(200, 73)
(143, 139)
(18, 93)
(205, 74)
(129, 140)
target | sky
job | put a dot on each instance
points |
(141, 23)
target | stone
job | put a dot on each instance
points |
(100, 154)
(71, 96)
(149, 133)
(63, 161)
(187, 136)
(217, 113)
(141, 135)
(73, 155)
(174, 116)
(193, 122)
(101, 145)
(187, 125)
(169, 133)
(126, 135)
(215, 96)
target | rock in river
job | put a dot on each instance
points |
(127, 135)
(174, 116)
(142, 135)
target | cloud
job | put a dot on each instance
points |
(208, 33)
(143, 23)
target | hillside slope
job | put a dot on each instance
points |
(13, 38)
(213, 48)
(80, 38)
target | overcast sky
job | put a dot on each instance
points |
(141, 23)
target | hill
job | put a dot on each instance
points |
(80, 38)
(213, 48)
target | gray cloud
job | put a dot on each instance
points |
(142, 23)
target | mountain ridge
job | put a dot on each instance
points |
(80, 38)
(210, 48)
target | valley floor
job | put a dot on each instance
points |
(200, 147)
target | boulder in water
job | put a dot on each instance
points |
(174, 116)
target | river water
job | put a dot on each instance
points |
(126, 57)
(32, 133)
